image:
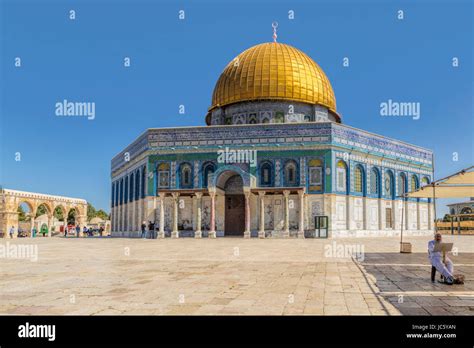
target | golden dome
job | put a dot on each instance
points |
(273, 71)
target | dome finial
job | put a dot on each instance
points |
(275, 26)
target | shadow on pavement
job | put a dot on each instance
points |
(405, 281)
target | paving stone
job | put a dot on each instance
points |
(195, 277)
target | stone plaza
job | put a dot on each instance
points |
(230, 276)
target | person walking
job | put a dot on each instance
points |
(78, 231)
(12, 231)
(34, 232)
(143, 229)
(85, 231)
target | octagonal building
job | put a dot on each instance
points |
(274, 160)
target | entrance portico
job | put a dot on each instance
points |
(228, 212)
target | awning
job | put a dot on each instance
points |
(461, 178)
(443, 191)
(460, 184)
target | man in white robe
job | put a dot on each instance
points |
(436, 259)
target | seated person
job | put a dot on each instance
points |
(436, 259)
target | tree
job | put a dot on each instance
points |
(102, 214)
(21, 214)
(91, 212)
(58, 214)
(41, 210)
(447, 218)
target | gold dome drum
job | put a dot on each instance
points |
(273, 71)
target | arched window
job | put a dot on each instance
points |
(291, 174)
(402, 184)
(375, 182)
(388, 185)
(266, 174)
(163, 171)
(413, 183)
(358, 179)
(341, 176)
(131, 187)
(208, 169)
(425, 181)
(186, 175)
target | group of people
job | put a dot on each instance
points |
(21, 233)
(151, 230)
(89, 232)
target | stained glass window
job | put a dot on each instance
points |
(358, 177)
(290, 173)
(413, 183)
(401, 184)
(374, 181)
(265, 174)
(388, 184)
(341, 176)
(186, 180)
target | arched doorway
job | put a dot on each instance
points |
(71, 217)
(26, 219)
(43, 221)
(60, 215)
(234, 217)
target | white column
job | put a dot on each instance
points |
(198, 232)
(212, 230)
(247, 214)
(418, 218)
(301, 222)
(364, 213)
(380, 214)
(286, 230)
(430, 216)
(348, 212)
(32, 226)
(131, 223)
(261, 230)
(406, 217)
(50, 225)
(161, 234)
(175, 232)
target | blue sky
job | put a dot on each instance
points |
(177, 62)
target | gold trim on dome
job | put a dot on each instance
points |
(273, 71)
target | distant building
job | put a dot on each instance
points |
(462, 207)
